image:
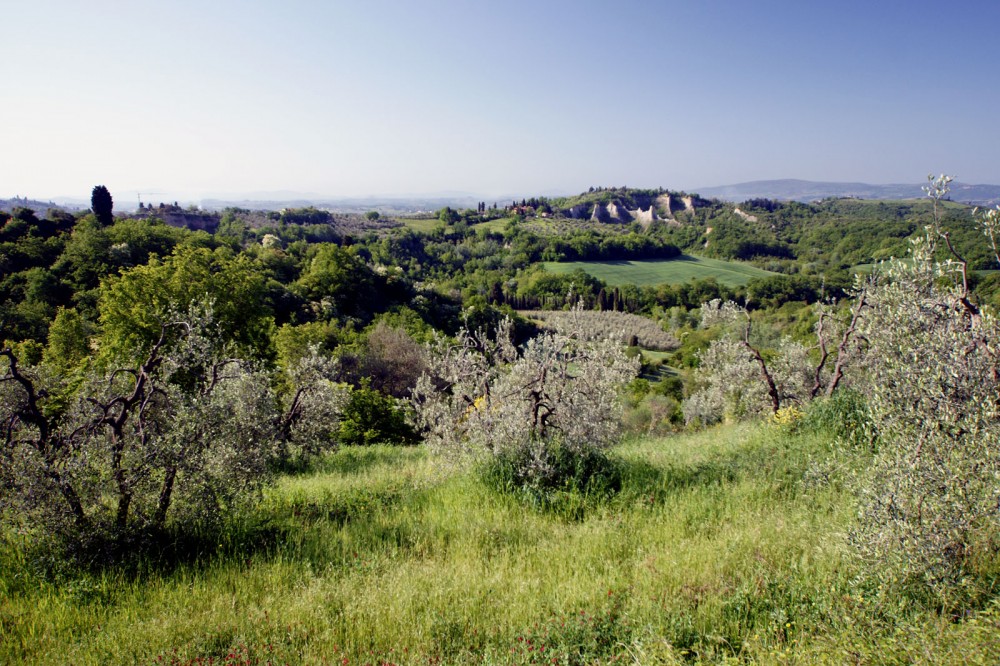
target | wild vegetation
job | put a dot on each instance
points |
(200, 437)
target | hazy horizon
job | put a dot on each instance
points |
(390, 99)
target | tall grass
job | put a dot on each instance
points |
(720, 546)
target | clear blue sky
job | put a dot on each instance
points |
(192, 98)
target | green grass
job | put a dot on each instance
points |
(666, 271)
(716, 549)
(421, 224)
(654, 356)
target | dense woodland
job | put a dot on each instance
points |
(165, 372)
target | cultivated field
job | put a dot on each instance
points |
(721, 546)
(662, 271)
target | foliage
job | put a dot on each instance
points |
(736, 380)
(337, 283)
(371, 417)
(390, 362)
(622, 327)
(930, 500)
(183, 430)
(68, 340)
(102, 205)
(484, 396)
(311, 420)
(134, 304)
(845, 416)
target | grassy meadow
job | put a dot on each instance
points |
(662, 271)
(722, 547)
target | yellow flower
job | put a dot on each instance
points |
(787, 416)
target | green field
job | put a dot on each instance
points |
(662, 271)
(717, 549)
(421, 224)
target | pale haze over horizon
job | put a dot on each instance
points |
(189, 99)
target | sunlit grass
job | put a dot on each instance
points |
(662, 271)
(716, 548)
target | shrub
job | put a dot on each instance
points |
(370, 417)
(845, 416)
(549, 467)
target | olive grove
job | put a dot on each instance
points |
(184, 433)
(925, 357)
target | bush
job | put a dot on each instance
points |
(370, 417)
(845, 416)
(549, 467)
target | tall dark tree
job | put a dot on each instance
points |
(102, 205)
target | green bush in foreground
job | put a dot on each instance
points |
(587, 473)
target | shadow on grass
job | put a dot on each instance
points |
(265, 532)
(777, 465)
(349, 460)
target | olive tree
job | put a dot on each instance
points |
(738, 377)
(745, 374)
(932, 494)
(484, 397)
(183, 433)
(312, 409)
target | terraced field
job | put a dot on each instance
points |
(662, 271)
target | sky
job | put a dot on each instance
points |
(196, 98)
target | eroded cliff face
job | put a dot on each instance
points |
(646, 211)
(670, 204)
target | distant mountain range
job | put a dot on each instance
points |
(806, 190)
